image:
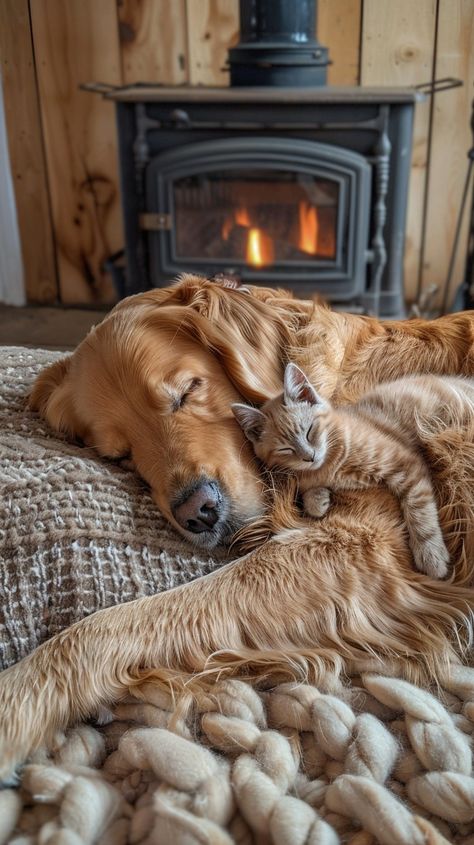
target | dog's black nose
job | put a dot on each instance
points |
(199, 510)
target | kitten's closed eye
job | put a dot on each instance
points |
(308, 433)
(285, 451)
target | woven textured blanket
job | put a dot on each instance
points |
(76, 533)
(376, 760)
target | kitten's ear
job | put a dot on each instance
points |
(251, 421)
(297, 387)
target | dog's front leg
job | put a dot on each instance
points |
(93, 662)
(305, 594)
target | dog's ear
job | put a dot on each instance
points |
(248, 335)
(251, 421)
(52, 397)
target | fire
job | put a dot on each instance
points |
(242, 217)
(309, 228)
(259, 248)
(258, 245)
(314, 234)
(227, 227)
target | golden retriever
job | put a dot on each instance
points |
(156, 381)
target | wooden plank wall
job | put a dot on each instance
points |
(66, 42)
(153, 41)
(25, 144)
(407, 59)
(451, 138)
(76, 42)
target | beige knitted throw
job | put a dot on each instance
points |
(376, 761)
(76, 533)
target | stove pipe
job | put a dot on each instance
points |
(278, 45)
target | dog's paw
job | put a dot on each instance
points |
(316, 501)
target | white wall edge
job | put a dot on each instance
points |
(12, 282)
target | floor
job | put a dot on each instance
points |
(48, 328)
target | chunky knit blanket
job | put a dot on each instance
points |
(376, 760)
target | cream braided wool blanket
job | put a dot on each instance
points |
(377, 761)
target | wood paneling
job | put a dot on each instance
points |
(26, 151)
(153, 42)
(451, 138)
(339, 23)
(379, 42)
(213, 26)
(77, 42)
(397, 49)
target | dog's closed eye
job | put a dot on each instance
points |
(190, 388)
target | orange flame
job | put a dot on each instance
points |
(259, 248)
(309, 228)
(227, 227)
(242, 217)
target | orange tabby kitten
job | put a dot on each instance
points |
(361, 445)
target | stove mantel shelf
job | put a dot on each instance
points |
(148, 93)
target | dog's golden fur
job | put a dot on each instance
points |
(315, 598)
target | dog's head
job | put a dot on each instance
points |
(156, 380)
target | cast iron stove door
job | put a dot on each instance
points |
(268, 210)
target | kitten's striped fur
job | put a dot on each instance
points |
(378, 440)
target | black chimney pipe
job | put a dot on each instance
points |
(278, 45)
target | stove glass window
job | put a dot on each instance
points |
(256, 217)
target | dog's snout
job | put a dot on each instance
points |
(200, 509)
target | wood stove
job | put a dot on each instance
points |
(304, 187)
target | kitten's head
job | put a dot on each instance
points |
(290, 430)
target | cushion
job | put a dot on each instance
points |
(77, 533)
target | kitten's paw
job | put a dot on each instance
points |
(316, 502)
(432, 558)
